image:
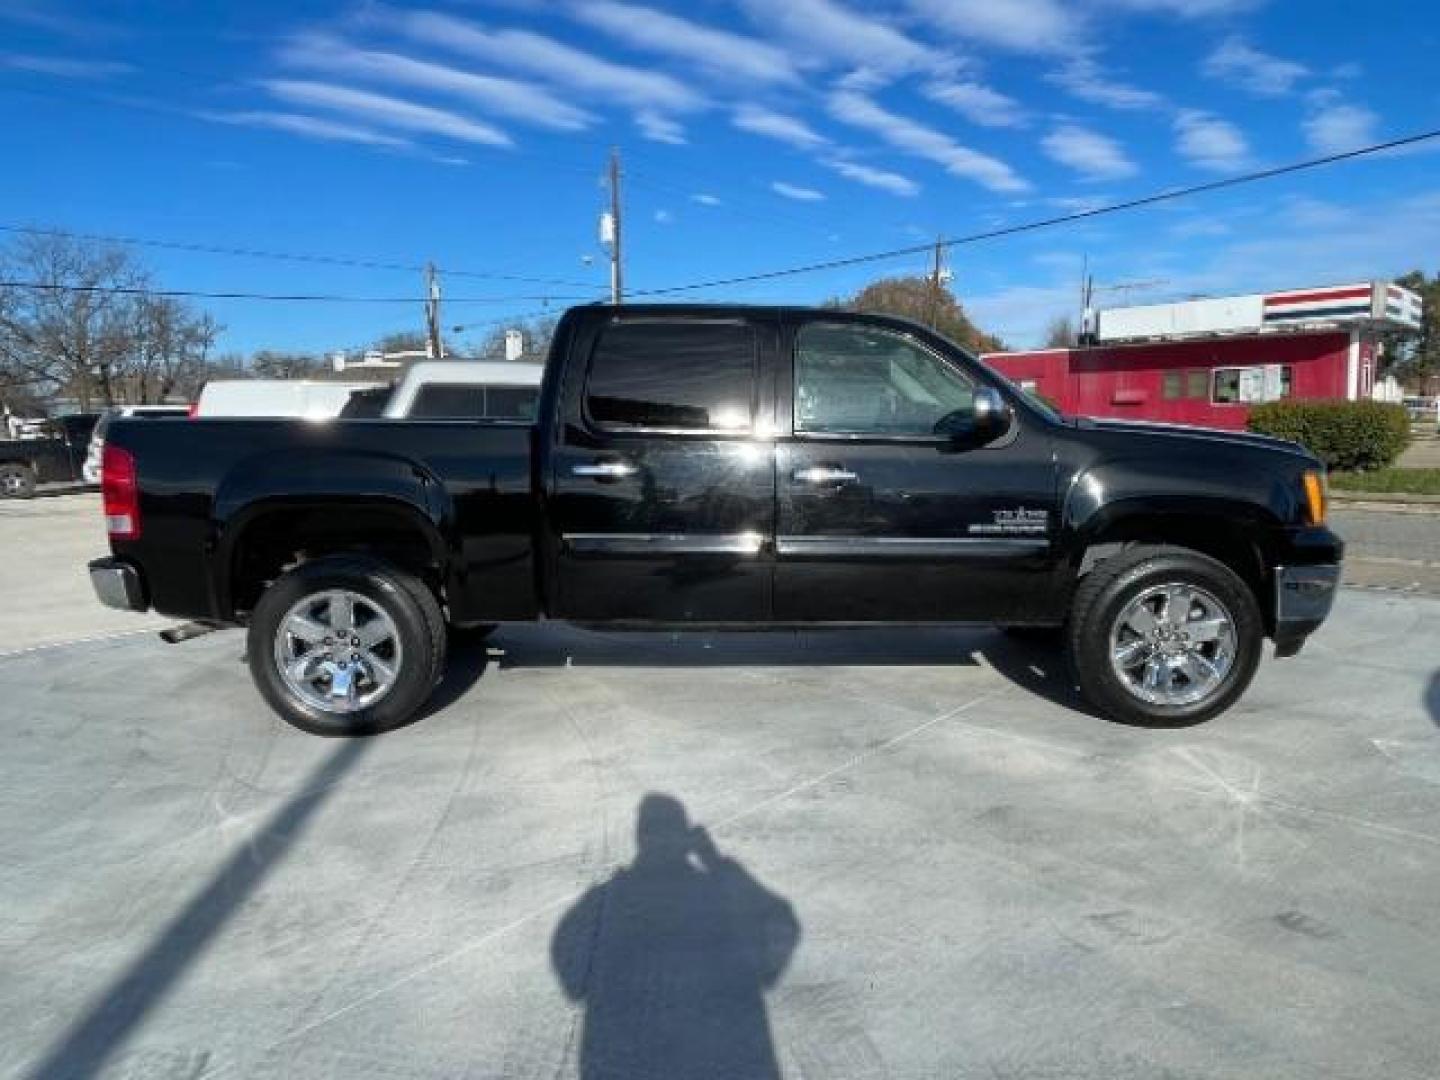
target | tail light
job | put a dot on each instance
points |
(194, 410)
(120, 493)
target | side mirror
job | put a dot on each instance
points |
(985, 421)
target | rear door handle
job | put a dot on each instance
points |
(824, 474)
(605, 470)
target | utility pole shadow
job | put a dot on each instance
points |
(121, 1007)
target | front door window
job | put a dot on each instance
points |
(853, 379)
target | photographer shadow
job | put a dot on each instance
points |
(671, 958)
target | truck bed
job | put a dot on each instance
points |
(203, 484)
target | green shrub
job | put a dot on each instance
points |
(1352, 435)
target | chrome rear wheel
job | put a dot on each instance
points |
(338, 651)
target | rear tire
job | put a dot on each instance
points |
(1163, 637)
(346, 645)
(17, 481)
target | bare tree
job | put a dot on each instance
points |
(1060, 333)
(67, 323)
(271, 364)
(171, 350)
(76, 320)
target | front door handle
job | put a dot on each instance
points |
(824, 474)
(605, 470)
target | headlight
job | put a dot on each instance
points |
(1316, 496)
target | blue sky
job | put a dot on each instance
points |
(755, 134)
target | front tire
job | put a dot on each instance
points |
(346, 645)
(17, 481)
(1164, 637)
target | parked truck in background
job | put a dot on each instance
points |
(726, 467)
(55, 454)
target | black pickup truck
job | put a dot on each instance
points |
(58, 457)
(725, 466)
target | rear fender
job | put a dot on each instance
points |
(329, 480)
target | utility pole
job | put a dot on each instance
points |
(617, 286)
(937, 272)
(435, 346)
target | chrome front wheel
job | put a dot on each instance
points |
(1173, 645)
(338, 651)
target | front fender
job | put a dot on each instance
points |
(1246, 499)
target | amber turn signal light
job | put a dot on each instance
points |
(1315, 497)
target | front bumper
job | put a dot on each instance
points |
(118, 584)
(1304, 596)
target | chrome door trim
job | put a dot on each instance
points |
(744, 543)
(605, 470)
(922, 547)
(824, 474)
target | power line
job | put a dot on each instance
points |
(196, 294)
(1045, 223)
(289, 256)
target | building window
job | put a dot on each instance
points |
(692, 376)
(1250, 385)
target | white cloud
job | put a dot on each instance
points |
(1188, 8)
(1020, 314)
(883, 179)
(1088, 81)
(730, 55)
(705, 199)
(664, 217)
(1373, 240)
(977, 102)
(830, 31)
(1097, 156)
(64, 67)
(658, 128)
(548, 59)
(1339, 128)
(310, 127)
(1235, 61)
(793, 191)
(1022, 25)
(386, 111)
(925, 142)
(1210, 142)
(773, 125)
(505, 97)
(1077, 204)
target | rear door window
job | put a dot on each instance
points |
(691, 376)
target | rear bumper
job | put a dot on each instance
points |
(118, 584)
(1304, 596)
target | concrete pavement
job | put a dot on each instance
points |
(45, 544)
(923, 860)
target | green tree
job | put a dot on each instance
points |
(919, 299)
(1417, 357)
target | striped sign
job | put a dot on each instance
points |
(1319, 305)
(1403, 306)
